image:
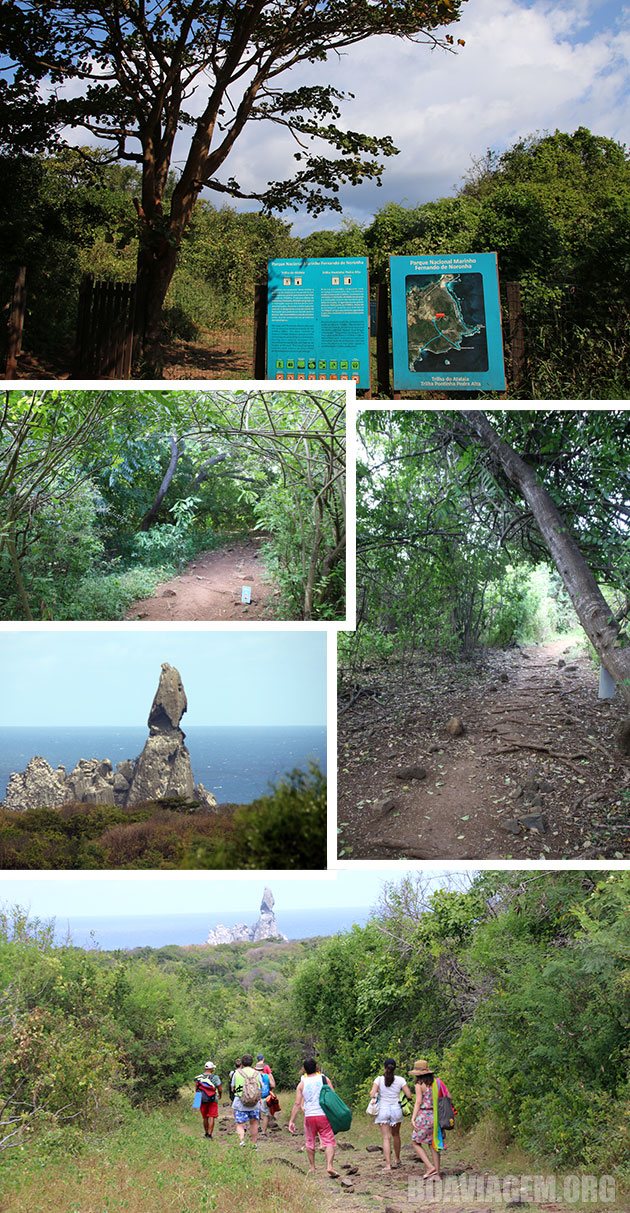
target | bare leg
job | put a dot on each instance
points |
(387, 1146)
(436, 1160)
(396, 1144)
(422, 1154)
(330, 1157)
(311, 1159)
(240, 1129)
(253, 1125)
(264, 1121)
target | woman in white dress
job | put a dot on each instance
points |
(387, 1090)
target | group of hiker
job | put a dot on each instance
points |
(254, 1104)
(251, 1089)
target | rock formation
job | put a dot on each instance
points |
(265, 927)
(162, 770)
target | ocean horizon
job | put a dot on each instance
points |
(236, 763)
(108, 933)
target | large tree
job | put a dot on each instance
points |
(135, 74)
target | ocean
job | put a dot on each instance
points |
(236, 764)
(155, 931)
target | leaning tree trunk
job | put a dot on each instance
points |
(154, 509)
(593, 612)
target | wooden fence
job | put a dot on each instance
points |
(105, 329)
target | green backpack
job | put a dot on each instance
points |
(338, 1113)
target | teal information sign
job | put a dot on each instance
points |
(446, 323)
(318, 319)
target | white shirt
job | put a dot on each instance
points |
(311, 1087)
(389, 1095)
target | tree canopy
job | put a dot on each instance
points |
(94, 481)
(135, 77)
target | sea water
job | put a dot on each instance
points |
(236, 764)
(157, 930)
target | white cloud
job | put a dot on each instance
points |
(523, 69)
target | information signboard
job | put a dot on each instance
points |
(318, 319)
(446, 323)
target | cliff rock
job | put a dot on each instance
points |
(162, 770)
(265, 927)
(38, 787)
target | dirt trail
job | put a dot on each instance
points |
(534, 773)
(210, 588)
(362, 1184)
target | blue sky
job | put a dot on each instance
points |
(58, 678)
(528, 66)
(99, 894)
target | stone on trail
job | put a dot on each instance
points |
(346, 1145)
(503, 678)
(511, 826)
(373, 1149)
(455, 726)
(414, 772)
(347, 1185)
(535, 821)
(386, 805)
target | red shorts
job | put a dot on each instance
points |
(318, 1126)
(209, 1110)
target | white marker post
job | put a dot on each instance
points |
(246, 595)
(607, 684)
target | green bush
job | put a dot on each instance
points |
(284, 830)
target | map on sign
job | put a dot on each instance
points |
(446, 323)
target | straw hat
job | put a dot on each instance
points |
(420, 1068)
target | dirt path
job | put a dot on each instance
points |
(533, 774)
(210, 588)
(363, 1186)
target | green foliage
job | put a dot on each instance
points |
(80, 536)
(448, 556)
(286, 829)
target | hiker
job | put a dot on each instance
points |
(265, 1068)
(268, 1083)
(247, 1099)
(316, 1123)
(426, 1127)
(209, 1084)
(386, 1090)
(237, 1064)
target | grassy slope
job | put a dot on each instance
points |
(160, 1160)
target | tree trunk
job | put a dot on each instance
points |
(153, 511)
(17, 573)
(155, 267)
(593, 612)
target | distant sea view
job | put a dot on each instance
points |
(236, 764)
(156, 931)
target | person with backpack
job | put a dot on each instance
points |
(237, 1064)
(247, 1099)
(316, 1123)
(386, 1092)
(268, 1083)
(427, 1134)
(209, 1085)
